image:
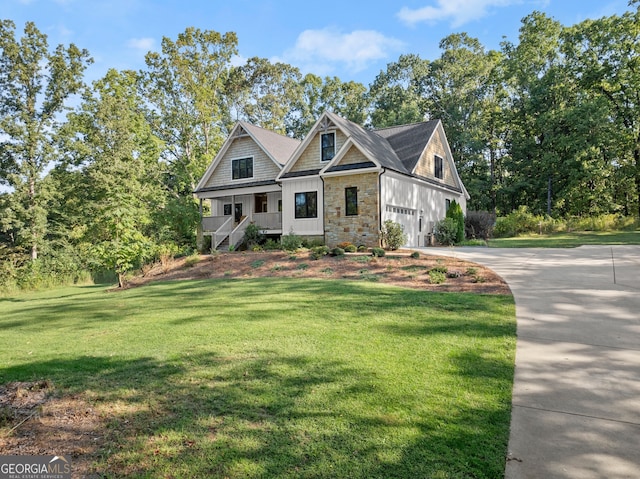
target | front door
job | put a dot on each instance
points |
(237, 213)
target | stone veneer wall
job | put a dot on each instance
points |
(362, 229)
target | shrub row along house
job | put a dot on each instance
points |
(340, 184)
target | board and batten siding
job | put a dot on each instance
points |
(310, 157)
(404, 200)
(302, 226)
(426, 164)
(263, 167)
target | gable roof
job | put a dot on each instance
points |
(278, 148)
(409, 141)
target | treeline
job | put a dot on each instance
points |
(549, 122)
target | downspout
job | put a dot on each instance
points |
(324, 231)
(384, 170)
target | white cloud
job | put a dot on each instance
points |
(143, 44)
(319, 50)
(458, 11)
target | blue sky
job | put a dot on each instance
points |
(351, 39)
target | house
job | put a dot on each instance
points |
(240, 184)
(340, 184)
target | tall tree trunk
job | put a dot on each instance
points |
(34, 222)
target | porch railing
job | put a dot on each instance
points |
(268, 221)
(213, 223)
(238, 233)
(222, 232)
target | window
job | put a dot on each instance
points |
(351, 200)
(307, 205)
(242, 168)
(227, 209)
(438, 171)
(328, 141)
(447, 205)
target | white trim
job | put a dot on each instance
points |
(244, 177)
(360, 171)
(335, 144)
(418, 181)
(341, 154)
(306, 142)
(249, 190)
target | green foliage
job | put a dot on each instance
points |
(318, 252)
(392, 235)
(192, 260)
(291, 242)
(271, 245)
(378, 252)
(248, 355)
(455, 213)
(446, 231)
(351, 248)
(253, 235)
(337, 252)
(436, 276)
(415, 255)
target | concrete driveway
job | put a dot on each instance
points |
(576, 396)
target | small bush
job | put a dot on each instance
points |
(337, 252)
(362, 248)
(437, 277)
(351, 248)
(302, 266)
(271, 245)
(392, 235)
(291, 242)
(479, 224)
(253, 235)
(378, 252)
(344, 245)
(440, 269)
(192, 260)
(446, 231)
(257, 263)
(415, 255)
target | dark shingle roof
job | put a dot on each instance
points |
(408, 141)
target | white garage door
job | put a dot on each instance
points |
(408, 218)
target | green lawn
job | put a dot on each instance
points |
(277, 378)
(568, 240)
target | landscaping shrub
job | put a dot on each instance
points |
(437, 277)
(479, 224)
(362, 248)
(291, 242)
(337, 252)
(253, 235)
(378, 252)
(446, 231)
(344, 245)
(392, 235)
(455, 212)
(351, 248)
(271, 245)
(415, 255)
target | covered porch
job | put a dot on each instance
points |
(232, 211)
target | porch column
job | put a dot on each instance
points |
(199, 235)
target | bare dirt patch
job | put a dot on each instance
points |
(397, 268)
(34, 420)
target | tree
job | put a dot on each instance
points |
(396, 95)
(112, 146)
(461, 90)
(605, 57)
(35, 83)
(187, 85)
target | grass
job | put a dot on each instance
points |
(276, 378)
(568, 240)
